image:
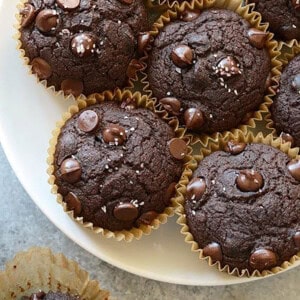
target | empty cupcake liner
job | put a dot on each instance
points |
(203, 148)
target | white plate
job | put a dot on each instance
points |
(28, 113)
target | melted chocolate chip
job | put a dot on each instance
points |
(296, 5)
(178, 148)
(147, 218)
(189, 15)
(28, 15)
(249, 181)
(182, 56)
(195, 189)
(296, 83)
(294, 168)
(68, 4)
(125, 212)
(170, 193)
(114, 134)
(214, 251)
(72, 87)
(228, 66)
(73, 203)
(83, 45)
(143, 41)
(234, 147)
(70, 170)
(263, 259)
(41, 68)
(297, 239)
(88, 121)
(287, 138)
(193, 118)
(134, 66)
(257, 38)
(171, 105)
(47, 20)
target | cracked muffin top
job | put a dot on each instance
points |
(214, 64)
(81, 46)
(243, 206)
(117, 166)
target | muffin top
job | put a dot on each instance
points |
(81, 46)
(214, 64)
(243, 206)
(50, 296)
(286, 106)
(117, 167)
(282, 15)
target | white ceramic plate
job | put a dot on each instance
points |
(28, 113)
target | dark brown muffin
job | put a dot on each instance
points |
(50, 296)
(243, 206)
(286, 106)
(81, 46)
(282, 15)
(213, 64)
(117, 167)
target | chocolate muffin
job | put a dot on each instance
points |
(108, 165)
(282, 15)
(286, 106)
(50, 296)
(213, 65)
(81, 46)
(243, 206)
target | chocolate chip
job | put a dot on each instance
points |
(70, 170)
(257, 38)
(126, 1)
(286, 137)
(88, 121)
(182, 56)
(178, 148)
(249, 181)
(73, 203)
(72, 87)
(297, 239)
(193, 118)
(296, 4)
(234, 147)
(125, 212)
(147, 218)
(296, 83)
(143, 41)
(228, 66)
(134, 66)
(214, 251)
(294, 168)
(28, 14)
(263, 259)
(83, 45)
(170, 193)
(189, 15)
(129, 103)
(41, 68)
(114, 134)
(195, 189)
(171, 105)
(68, 4)
(47, 20)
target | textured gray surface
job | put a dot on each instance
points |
(23, 225)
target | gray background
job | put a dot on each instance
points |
(22, 225)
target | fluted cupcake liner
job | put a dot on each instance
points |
(203, 148)
(38, 269)
(254, 18)
(119, 96)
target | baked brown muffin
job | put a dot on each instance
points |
(81, 46)
(108, 165)
(243, 206)
(50, 296)
(212, 65)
